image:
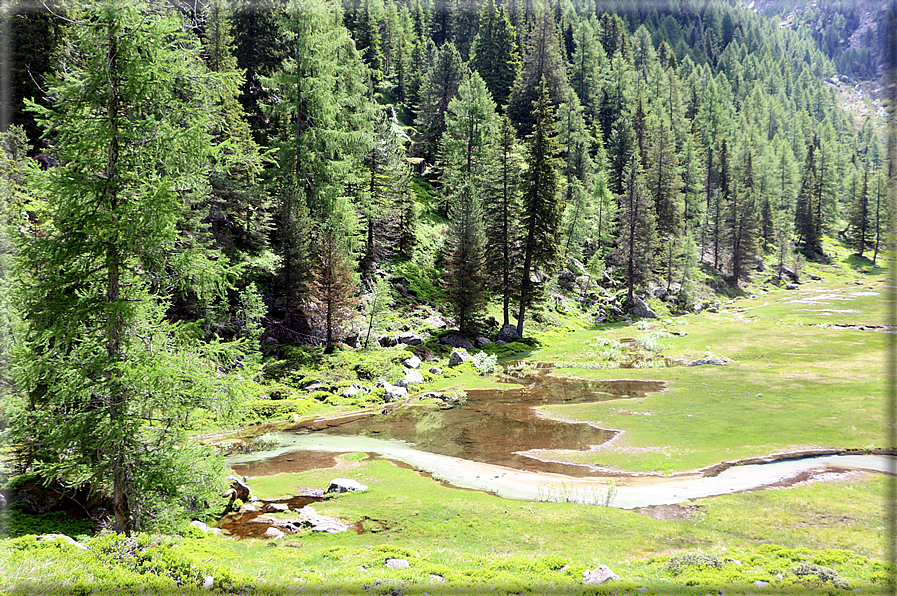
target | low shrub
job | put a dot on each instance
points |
(679, 563)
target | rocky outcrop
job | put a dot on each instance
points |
(413, 377)
(412, 362)
(713, 360)
(238, 489)
(68, 539)
(481, 341)
(641, 309)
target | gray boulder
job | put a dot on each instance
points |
(709, 360)
(481, 341)
(456, 341)
(397, 563)
(68, 539)
(408, 338)
(276, 507)
(413, 377)
(508, 334)
(436, 321)
(274, 533)
(599, 575)
(344, 485)
(413, 362)
(459, 356)
(394, 392)
(435, 370)
(641, 309)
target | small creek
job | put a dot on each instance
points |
(480, 446)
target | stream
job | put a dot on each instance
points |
(482, 445)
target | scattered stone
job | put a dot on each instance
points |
(435, 370)
(459, 356)
(642, 590)
(413, 377)
(276, 507)
(402, 383)
(761, 584)
(436, 321)
(208, 582)
(397, 563)
(456, 341)
(713, 360)
(791, 286)
(408, 338)
(413, 362)
(198, 524)
(68, 539)
(247, 508)
(308, 518)
(296, 417)
(316, 493)
(436, 578)
(508, 334)
(394, 392)
(343, 485)
(641, 309)
(481, 341)
(273, 533)
(599, 575)
(385, 341)
(734, 562)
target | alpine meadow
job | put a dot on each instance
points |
(409, 297)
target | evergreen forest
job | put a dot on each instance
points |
(246, 214)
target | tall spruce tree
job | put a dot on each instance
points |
(110, 382)
(543, 208)
(635, 228)
(495, 55)
(441, 85)
(860, 223)
(464, 280)
(501, 206)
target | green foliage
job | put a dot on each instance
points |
(679, 563)
(423, 281)
(16, 521)
(485, 363)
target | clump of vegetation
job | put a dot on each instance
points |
(824, 574)
(485, 363)
(679, 563)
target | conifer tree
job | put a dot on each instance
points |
(542, 206)
(501, 206)
(331, 296)
(635, 228)
(110, 383)
(464, 281)
(587, 72)
(470, 122)
(805, 224)
(860, 223)
(441, 85)
(495, 54)
(544, 61)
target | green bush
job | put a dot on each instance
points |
(679, 563)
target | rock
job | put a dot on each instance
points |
(761, 584)
(413, 362)
(456, 341)
(350, 391)
(791, 286)
(274, 533)
(459, 356)
(208, 582)
(599, 575)
(712, 360)
(734, 562)
(481, 341)
(403, 383)
(435, 370)
(385, 341)
(436, 578)
(343, 485)
(296, 417)
(408, 338)
(308, 518)
(397, 563)
(238, 489)
(436, 321)
(413, 377)
(68, 539)
(641, 309)
(508, 334)
(394, 392)
(642, 590)
(276, 507)
(316, 493)
(577, 267)
(200, 525)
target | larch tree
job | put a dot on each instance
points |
(110, 383)
(542, 207)
(860, 223)
(331, 297)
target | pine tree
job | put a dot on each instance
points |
(542, 207)
(470, 122)
(635, 229)
(331, 296)
(805, 223)
(860, 223)
(495, 54)
(501, 206)
(544, 62)
(441, 85)
(110, 383)
(587, 73)
(464, 281)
